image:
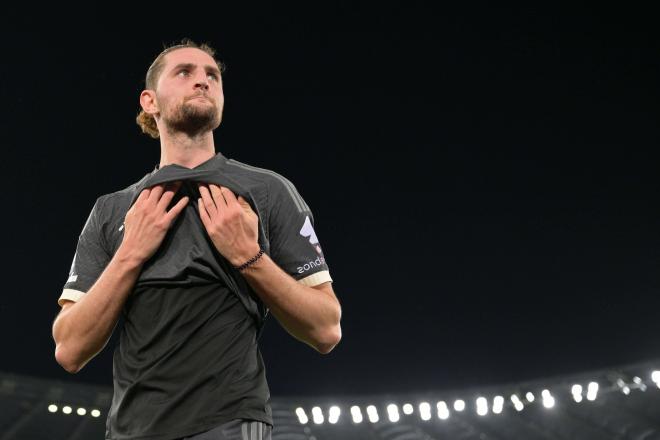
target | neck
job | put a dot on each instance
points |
(182, 149)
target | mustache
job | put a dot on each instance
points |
(198, 94)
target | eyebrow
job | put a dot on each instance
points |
(208, 67)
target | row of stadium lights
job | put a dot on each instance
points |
(425, 408)
(548, 401)
(68, 410)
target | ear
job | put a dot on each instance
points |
(148, 102)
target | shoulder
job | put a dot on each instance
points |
(111, 206)
(276, 184)
(263, 175)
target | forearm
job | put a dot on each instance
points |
(82, 330)
(308, 314)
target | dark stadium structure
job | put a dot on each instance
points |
(620, 403)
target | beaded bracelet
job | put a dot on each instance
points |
(250, 262)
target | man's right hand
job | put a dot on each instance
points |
(148, 220)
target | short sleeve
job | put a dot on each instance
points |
(90, 259)
(294, 245)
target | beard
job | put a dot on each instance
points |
(193, 118)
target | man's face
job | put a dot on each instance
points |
(189, 92)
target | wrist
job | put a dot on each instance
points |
(128, 258)
(248, 260)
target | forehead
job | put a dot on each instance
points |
(188, 55)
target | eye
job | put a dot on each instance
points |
(183, 72)
(213, 76)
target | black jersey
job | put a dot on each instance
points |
(188, 358)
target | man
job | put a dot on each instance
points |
(193, 257)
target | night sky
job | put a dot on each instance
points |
(484, 182)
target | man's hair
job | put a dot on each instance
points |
(147, 122)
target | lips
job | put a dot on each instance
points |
(199, 96)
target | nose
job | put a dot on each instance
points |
(202, 81)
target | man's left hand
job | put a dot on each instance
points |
(230, 222)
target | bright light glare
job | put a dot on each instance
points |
(498, 404)
(334, 413)
(592, 391)
(548, 400)
(356, 413)
(425, 411)
(482, 406)
(95, 413)
(393, 413)
(443, 410)
(530, 397)
(372, 413)
(317, 415)
(66, 410)
(52, 408)
(576, 390)
(517, 403)
(81, 411)
(302, 416)
(459, 405)
(407, 409)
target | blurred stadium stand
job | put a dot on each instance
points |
(624, 405)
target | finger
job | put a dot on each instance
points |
(208, 201)
(144, 195)
(203, 214)
(164, 201)
(156, 192)
(176, 209)
(230, 197)
(218, 194)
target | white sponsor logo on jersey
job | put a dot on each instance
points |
(308, 231)
(315, 263)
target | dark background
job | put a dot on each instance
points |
(484, 181)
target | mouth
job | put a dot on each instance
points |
(204, 97)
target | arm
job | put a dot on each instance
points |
(82, 329)
(310, 314)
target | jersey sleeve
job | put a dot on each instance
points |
(90, 259)
(294, 245)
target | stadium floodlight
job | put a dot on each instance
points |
(625, 390)
(302, 416)
(96, 413)
(482, 406)
(81, 411)
(408, 409)
(592, 391)
(372, 413)
(548, 400)
(498, 404)
(530, 397)
(443, 410)
(655, 377)
(393, 413)
(576, 390)
(67, 410)
(517, 403)
(459, 405)
(637, 380)
(317, 415)
(52, 408)
(333, 414)
(425, 411)
(356, 413)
